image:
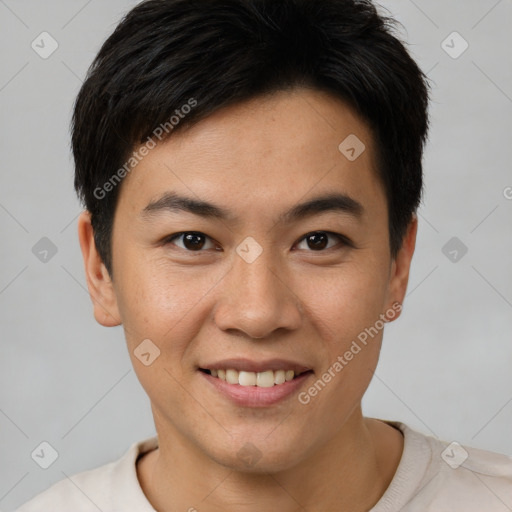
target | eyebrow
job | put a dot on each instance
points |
(173, 202)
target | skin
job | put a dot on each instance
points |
(256, 159)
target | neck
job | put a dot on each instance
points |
(350, 471)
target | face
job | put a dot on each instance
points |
(289, 260)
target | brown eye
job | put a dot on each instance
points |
(319, 240)
(191, 241)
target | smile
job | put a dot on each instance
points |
(265, 379)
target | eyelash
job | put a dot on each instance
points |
(343, 239)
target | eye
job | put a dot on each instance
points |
(319, 240)
(193, 241)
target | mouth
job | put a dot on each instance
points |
(255, 382)
(263, 379)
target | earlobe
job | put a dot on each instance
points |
(400, 270)
(99, 283)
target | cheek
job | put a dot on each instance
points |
(162, 303)
(346, 309)
(163, 307)
(345, 301)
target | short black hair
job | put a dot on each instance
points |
(208, 54)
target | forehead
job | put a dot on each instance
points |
(268, 151)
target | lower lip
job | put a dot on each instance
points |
(254, 396)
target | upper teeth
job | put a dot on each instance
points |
(264, 379)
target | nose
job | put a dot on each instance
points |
(256, 299)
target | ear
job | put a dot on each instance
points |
(399, 275)
(99, 283)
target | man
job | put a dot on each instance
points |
(251, 171)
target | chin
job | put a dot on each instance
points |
(259, 455)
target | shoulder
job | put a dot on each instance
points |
(473, 478)
(81, 491)
(436, 475)
(101, 488)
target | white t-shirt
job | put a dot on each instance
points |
(432, 476)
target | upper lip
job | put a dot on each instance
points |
(249, 365)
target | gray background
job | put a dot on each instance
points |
(445, 365)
